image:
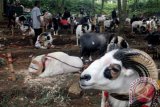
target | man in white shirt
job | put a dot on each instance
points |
(36, 23)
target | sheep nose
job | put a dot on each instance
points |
(86, 77)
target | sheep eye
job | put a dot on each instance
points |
(107, 73)
(112, 72)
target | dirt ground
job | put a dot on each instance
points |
(44, 92)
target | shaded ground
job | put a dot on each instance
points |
(48, 92)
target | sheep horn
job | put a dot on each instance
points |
(139, 61)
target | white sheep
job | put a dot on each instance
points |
(102, 18)
(55, 63)
(128, 21)
(136, 25)
(115, 71)
(46, 19)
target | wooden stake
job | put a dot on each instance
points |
(43, 29)
(12, 30)
(10, 64)
(100, 29)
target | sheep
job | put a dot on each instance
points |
(27, 30)
(153, 42)
(54, 63)
(117, 42)
(46, 19)
(91, 42)
(110, 24)
(151, 25)
(139, 26)
(115, 71)
(20, 20)
(144, 26)
(102, 18)
(44, 41)
(128, 21)
(81, 29)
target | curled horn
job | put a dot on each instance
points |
(139, 61)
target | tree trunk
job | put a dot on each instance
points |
(1, 10)
(102, 6)
(63, 4)
(122, 13)
(135, 4)
(124, 9)
(93, 6)
(119, 9)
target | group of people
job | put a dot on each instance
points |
(14, 11)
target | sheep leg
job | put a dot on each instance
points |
(81, 53)
(44, 74)
(90, 58)
(77, 41)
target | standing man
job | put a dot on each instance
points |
(36, 23)
(11, 14)
(114, 15)
(81, 11)
(66, 14)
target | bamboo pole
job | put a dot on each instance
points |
(12, 29)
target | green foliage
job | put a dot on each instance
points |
(55, 6)
(134, 6)
(146, 7)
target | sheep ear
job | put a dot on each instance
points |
(116, 40)
(124, 44)
(128, 72)
(111, 37)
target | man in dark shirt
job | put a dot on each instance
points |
(114, 15)
(82, 11)
(134, 18)
(11, 14)
(66, 14)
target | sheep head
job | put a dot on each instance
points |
(117, 69)
(36, 66)
(117, 42)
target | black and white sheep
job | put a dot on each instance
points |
(110, 25)
(115, 72)
(84, 27)
(44, 41)
(91, 42)
(27, 30)
(20, 20)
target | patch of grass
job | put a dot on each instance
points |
(53, 96)
(5, 98)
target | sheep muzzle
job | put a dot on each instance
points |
(37, 70)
